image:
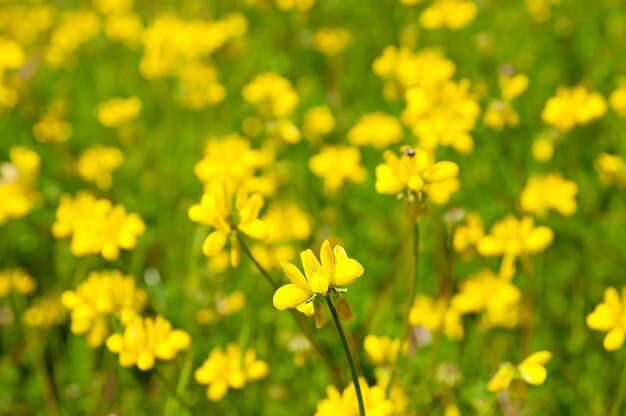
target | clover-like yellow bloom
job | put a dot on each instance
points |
(617, 100)
(416, 173)
(44, 312)
(493, 295)
(381, 350)
(272, 93)
(549, 191)
(610, 316)
(612, 169)
(16, 280)
(52, 126)
(225, 305)
(230, 369)
(331, 40)
(437, 316)
(318, 121)
(532, 370)
(469, 233)
(425, 68)
(337, 164)
(450, 14)
(73, 30)
(146, 340)
(118, 112)
(216, 210)
(335, 271)
(101, 296)
(97, 164)
(573, 106)
(199, 86)
(375, 401)
(17, 183)
(376, 129)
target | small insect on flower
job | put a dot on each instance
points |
(532, 370)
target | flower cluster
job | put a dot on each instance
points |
(573, 106)
(549, 191)
(532, 370)
(337, 164)
(610, 316)
(500, 113)
(16, 280)
(97, 164)
(345, 403)
(118, 112)
(376, 129)
(17, 183)
(612, 169)
(437, 315)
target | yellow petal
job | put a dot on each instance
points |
(217, 390)
(533, 374)
(386, 181)
(115, 343)
(416, 183)
(295, 275)
(614, 339)
(256, 229)
(601, 319)
(319, 283)
(489, 246)
(537, 358)
(347, 271)
(442, 171)
(214, 243)
(328, 260)
(310, 264)
(539, 239)
(290, 296)
(145, 360)
(502, 379)
(306, 308)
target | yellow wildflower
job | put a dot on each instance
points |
(146, 340)
(331, 41)
(539, 10)
(612, 169)
(16, 280)
(345, 404)
(118, 112)
(225, 305)
(376, 129)
(617, 100)
(230, 369)
(52, 126)
(75, 28)
(301, 5)
(469, 233)
(272, 93)
(44, 312)
(451, 14)
(416, 174)
(17, 189)
(336, 164)
(124, 27)
(97, 163)
(437, 316)
(543, 148)
(532, 370)
(318, 122)
(610, 316)
(381, 350)
(573, 106)
(550, 191)
(216, 210)
(199, 86)
(500, 114)
(103, 295)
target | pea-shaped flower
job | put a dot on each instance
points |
(532, 370)
(610, 316)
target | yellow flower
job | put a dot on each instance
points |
(112, 6)
(451, 14)
(336, 164)
(118, 112)
(335, 270)
(16, 280)
(17, 189)
(416, 173)
(549, 191)
(610, 316)
(216, 210)
(612, 169)
(376, 129)
(44, 312)
(199, 86)
(436, 316)
(573, 106)
(381, 350)
(124, 27)
(225, 305)
(74, 29)
(272, 93)
(543, 148)
(617, 100)
(318, 122)
(469, 233)
(230, 369)
(532, 370)
(345, 404)
(301, 5)
(103, 295)
(512, 85)
(331, 41)
(496, 296)
(97, 163)
(52, 127)
(146, 340)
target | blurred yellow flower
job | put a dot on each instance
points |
(543, 148)
(272, 94)
(74, 29)
(612, 169)
(496, 296)
(469, 233)
(617, 100)
(381, 350)
(216, 209)
(437, 316)
(118, 112)
(573, 106)
(532, 370)
(416, 173)
(301, 5)
(52, 126)
(124, 27)
(500, 114)
(112, 6)
(225, 305)
(44, 312)
(199, 86)
(549, 191)
(376, 129)
(318, 121)
(146, 340)
(12, 57)
(97, 163)
(16, 280)
(17, 188)
(230, 369)
(610, 316)
(101, 296)
(331, 40)
(450, 14)
(337, 164)
(345, 404)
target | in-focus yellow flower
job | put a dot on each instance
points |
(549, 191)
(612, 169)
(496, 296)
(610, 316)
(469, 233)
(532, 370)
(97, 164)
(345, 404)
(272, 93)
(381, 350)
(16, 280)
(573, 106)
(101, 296)
(437, 316)
(17, 183)
(230, 369)
(337, 164)
(376, 129)
(44, 312)
(328, 277)
(450, 14)
(216, 210)
(318, 121)
(331, 40)
(146, 340)
(118, 112)
(416, 174)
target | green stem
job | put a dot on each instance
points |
(173, 392)
(355, 377)
(306, 330)
(617, 405)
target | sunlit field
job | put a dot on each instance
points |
(313, 207)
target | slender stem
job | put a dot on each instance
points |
(617, 405)
(355, 377)
(306, 330)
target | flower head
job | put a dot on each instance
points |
(375, 401)
(549, 191)
(16, 280)
(610, 316)
(118, 112)
(573, 106)
(96, 164)
(437, 315)
(337, 164)
(376, 129)
(532, 370)
(17, 183)
(612, 169)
